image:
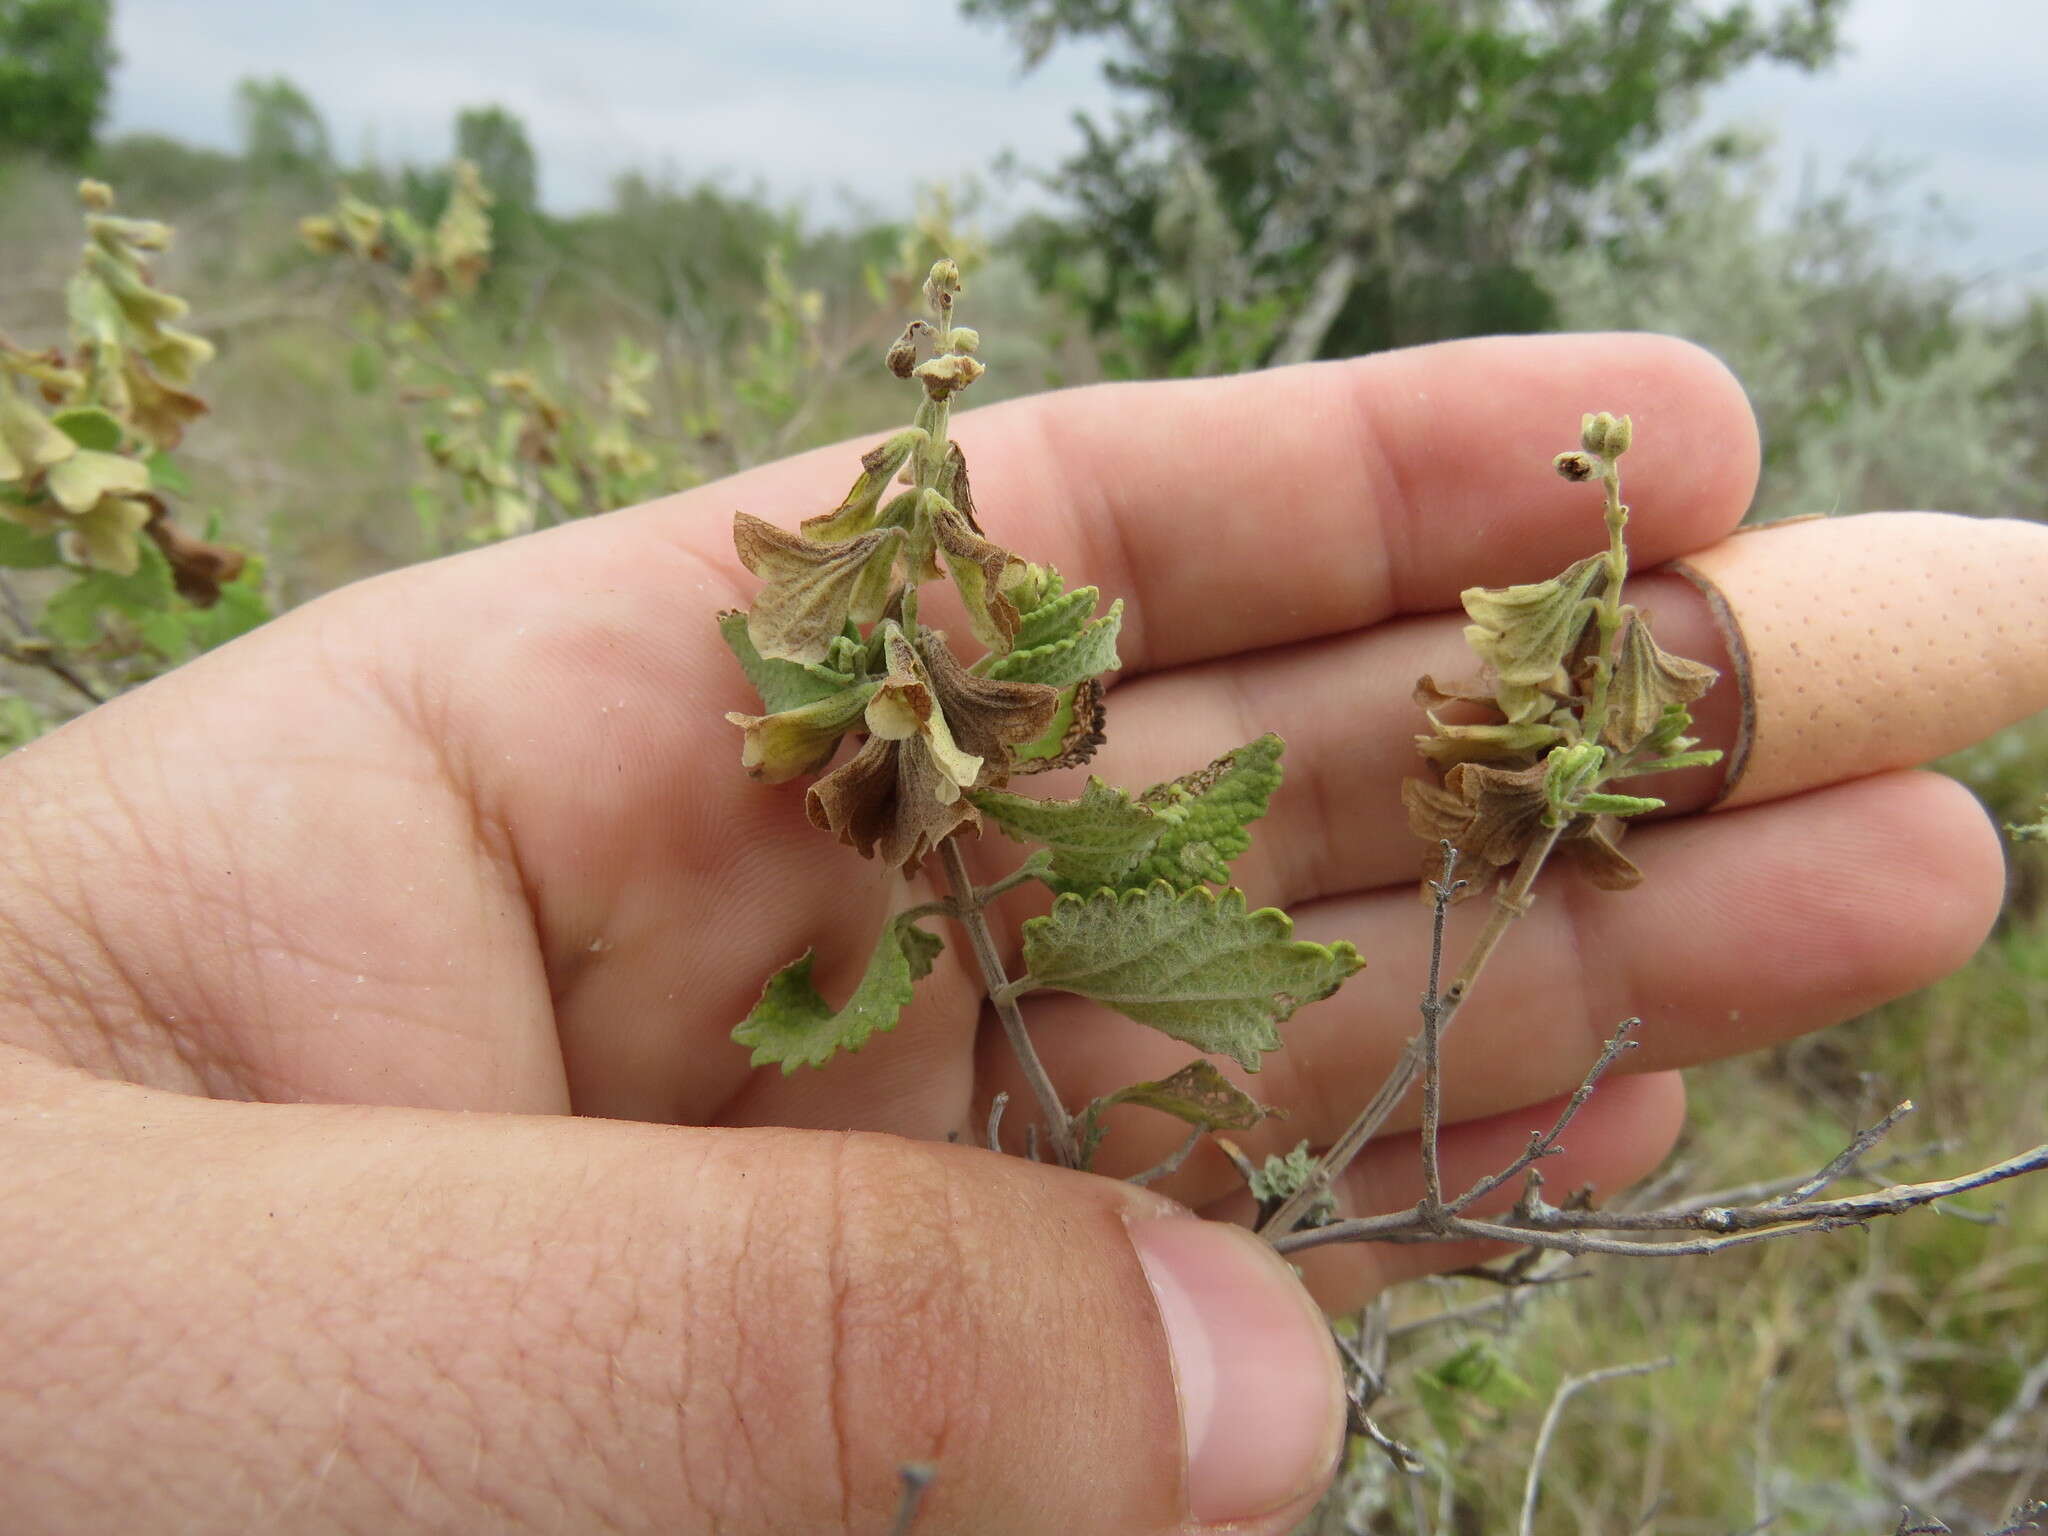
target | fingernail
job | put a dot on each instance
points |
(1261, 1400)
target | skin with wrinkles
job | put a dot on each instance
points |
(337, 962)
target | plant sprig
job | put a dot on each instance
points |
(1144, 919)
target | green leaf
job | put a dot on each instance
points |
(795, 1027)
(1599, 803)
(21, 550)
(1086, 653)
(1094, 841)
(1060, 617)
(1054, 744)
(241, 607)
(166, 474)
(1198, 1094)
(1704, 758)
(1193, 964)
(72, 616)
(1453, 1392)
(1208, 814)
(89, 427)
(1283, 1177)
(782, 684)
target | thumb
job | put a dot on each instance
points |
(244, 1316)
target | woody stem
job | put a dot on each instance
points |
(1058, 1123)
(1508, 905)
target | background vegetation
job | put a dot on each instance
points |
(1290, 181)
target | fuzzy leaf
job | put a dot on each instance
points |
(812, 589)
(24, 550)
(1094, 841)
(1193, 964)
(781, 684)
(72, 616)
(978, 568)
(856, 513)
(1648, 682)
(1526, 631)
(1198, 1094)
(1285, 1176)
(89, 427)
(1074, 735)
(1087, 652)
(165, 474)
(1060, 617)
(1208, 814)
(1599, 803)
(793, 1026)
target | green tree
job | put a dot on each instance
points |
(495, 142)
(55, 57)
(284, 137)
(1305, 178)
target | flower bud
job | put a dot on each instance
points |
(1601, 434)
(96, 195)
(961, 339)
(943, 283)
(1569, 773)
(1576, 466)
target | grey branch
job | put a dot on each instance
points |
(1537, 1224)
(1548, 1430)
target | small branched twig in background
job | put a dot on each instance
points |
(1566, 1390)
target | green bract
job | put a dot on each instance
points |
(792, 1026)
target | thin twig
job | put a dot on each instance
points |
(1172, 1161)
(1442, 889)
(1508, 905)
(1029, 870)
(56, 668)
(1059, 1125)
(1544, 1144)
(1846, 1160)
(995, 1121)
(1565, 1391)
(1539, 1225)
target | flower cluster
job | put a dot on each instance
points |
(834, 646)
(1574, 695)
(76, 429)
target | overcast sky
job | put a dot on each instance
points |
(812, 100)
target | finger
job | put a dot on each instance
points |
(1390, 481)
(1618, 1137)
(329, 1319)
(1749, 928)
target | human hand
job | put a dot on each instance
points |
(471, 837)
